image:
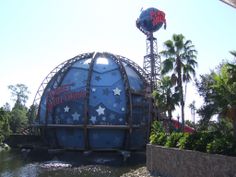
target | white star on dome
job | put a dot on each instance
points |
(93, 89)
(122, 109)
(93, 119)
(120, 119)
(116, 91)
(75, 116)
(100, 110)
(66, 109)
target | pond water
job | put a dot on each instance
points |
(16, 163)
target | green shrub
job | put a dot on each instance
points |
(153, 138)
(220, 146)
(190, 141)
(197, 141)
(173, 138)
(161, 140)
(223, 141)
(217, 139)
(158, 138)
(157, 127)
(203, 139)
(1, 138)
(183, 141)
(158, 135)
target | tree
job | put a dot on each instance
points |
(180, 61)
(209, 108)
(18, 117)
(233, 53)
(19, 93)
(190, 123)
(31, 114)
(7, 107)
(231, 70)
(211, 87)
(219, 92)
(4, 124)
(164, 97)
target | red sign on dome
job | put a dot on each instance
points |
(158, 17)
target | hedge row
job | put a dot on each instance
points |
(218, 139)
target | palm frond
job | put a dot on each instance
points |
(178, 41)
(188, 43)
(169, 47)
(233, 53)
(167, 65)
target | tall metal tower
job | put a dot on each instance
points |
(152, 61)
(150, 21)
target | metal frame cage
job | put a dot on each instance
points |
(133, 131)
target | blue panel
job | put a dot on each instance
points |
(42, 110)
(83, 63)
(49, 118)
(108, 89)
(106, 138)
(70, 112)
(140, 110)
(103, 65)
(77, 78)
(108, 105)
(49, 136)
(43, 103)
(134, 80)
(138, 138)
(100, 115)
(105, 79)
(105, 96)
(66, 105)
(70, 138)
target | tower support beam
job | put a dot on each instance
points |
(152, 61)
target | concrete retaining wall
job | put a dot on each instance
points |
(172, 162)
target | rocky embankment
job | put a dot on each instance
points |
(4, 147)
(140, 172)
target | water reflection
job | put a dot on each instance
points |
(55, 164)
(70, 164)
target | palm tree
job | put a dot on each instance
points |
(233, 53)
(165, 99)
(231, 69)
(180, 61)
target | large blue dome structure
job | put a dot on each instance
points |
(94, 101)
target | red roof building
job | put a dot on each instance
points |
(187, 128)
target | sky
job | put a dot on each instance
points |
(36, 36)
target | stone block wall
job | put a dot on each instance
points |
(172, 162)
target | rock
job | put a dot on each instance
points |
(140, 172)
(4, 147)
